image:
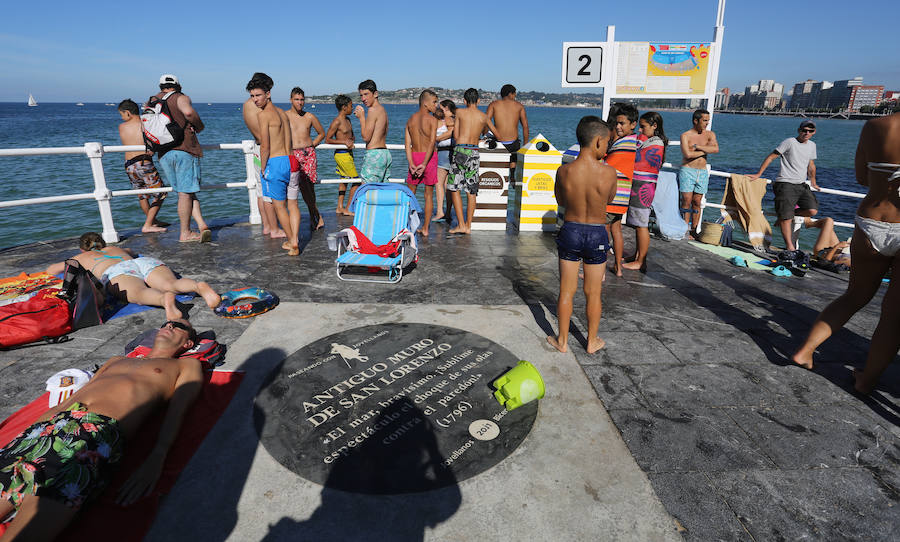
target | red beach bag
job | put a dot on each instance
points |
(44, 316)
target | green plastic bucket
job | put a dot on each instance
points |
(519, 385)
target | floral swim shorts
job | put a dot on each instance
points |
(142, 174)
(464, 164)
(69, 458)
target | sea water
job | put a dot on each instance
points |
(744, 141)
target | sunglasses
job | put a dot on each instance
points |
(178, 325)
(808, 130)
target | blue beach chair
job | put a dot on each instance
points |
(384, 212)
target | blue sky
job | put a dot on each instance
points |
(101, 52)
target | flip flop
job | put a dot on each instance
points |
(738, 261)
(191, 239)
(205, 236)
(781, 271)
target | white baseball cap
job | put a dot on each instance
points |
(168, 78)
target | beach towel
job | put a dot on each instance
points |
(743, 197)
(621, 157)
(103, 519)
(358, 242)
(666, 204)
(24, 286)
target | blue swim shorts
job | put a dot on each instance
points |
(693, 180)
(181, 171)
(588, 242)
(276, 178)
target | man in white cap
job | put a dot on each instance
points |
(793, 197)
(180, 166)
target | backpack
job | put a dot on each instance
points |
(161, 132)
(44, 316)
(84, 294)
(796, 261)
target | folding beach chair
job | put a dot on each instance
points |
(383, 233)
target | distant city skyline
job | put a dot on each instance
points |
(104, 52)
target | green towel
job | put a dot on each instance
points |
(728, 252)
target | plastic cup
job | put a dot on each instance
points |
(518, 386)
(332, 241)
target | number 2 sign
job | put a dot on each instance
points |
(582, 64)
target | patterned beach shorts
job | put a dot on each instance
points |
(142, 174)
(69, 458)
(308, 163)
(376, 166)
(464, 166)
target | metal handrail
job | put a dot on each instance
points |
(95, 151)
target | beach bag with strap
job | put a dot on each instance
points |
(161, 132)
(43, 317)
(84, 294)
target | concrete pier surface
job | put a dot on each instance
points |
(691, 423)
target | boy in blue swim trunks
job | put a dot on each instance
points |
(274, 156)
(584, 187)
(67, 458)
(376, 166)
(693, 177)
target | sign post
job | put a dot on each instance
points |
(646, 69)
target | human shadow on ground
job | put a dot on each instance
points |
(220, 468)
(795, 318)
(385, 489)
(537, 297)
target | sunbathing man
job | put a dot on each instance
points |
(376, 166)
(420, 134)
(584, 187)
(142, 280)
(67, 458)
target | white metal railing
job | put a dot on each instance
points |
(102, 194)
(95, 151)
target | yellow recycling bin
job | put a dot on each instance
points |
(535, 203)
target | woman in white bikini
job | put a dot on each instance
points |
(875, 249)
(142, 280)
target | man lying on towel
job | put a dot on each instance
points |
(67, 458)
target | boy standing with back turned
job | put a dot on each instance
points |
(340, 132)
(420, 133)
(139, 166)
(584, 187)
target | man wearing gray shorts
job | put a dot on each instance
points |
(793, 197)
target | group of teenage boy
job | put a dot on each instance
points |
(286, 161)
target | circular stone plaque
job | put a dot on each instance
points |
(389, 409)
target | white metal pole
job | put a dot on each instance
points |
(718, 36)
(609, 78)
(94, 152)
(248, 146)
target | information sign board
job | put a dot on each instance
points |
(657, 68)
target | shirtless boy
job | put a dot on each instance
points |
(340, 132)
(377, 164)
(79, 443)
(693, 177)
(471, 123)
(584, 187)
(266, 211)
(139, 166)
(304, 151)
(274, 157)
(507, 113)
(419, 139)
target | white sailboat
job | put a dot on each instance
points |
(31, 101)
